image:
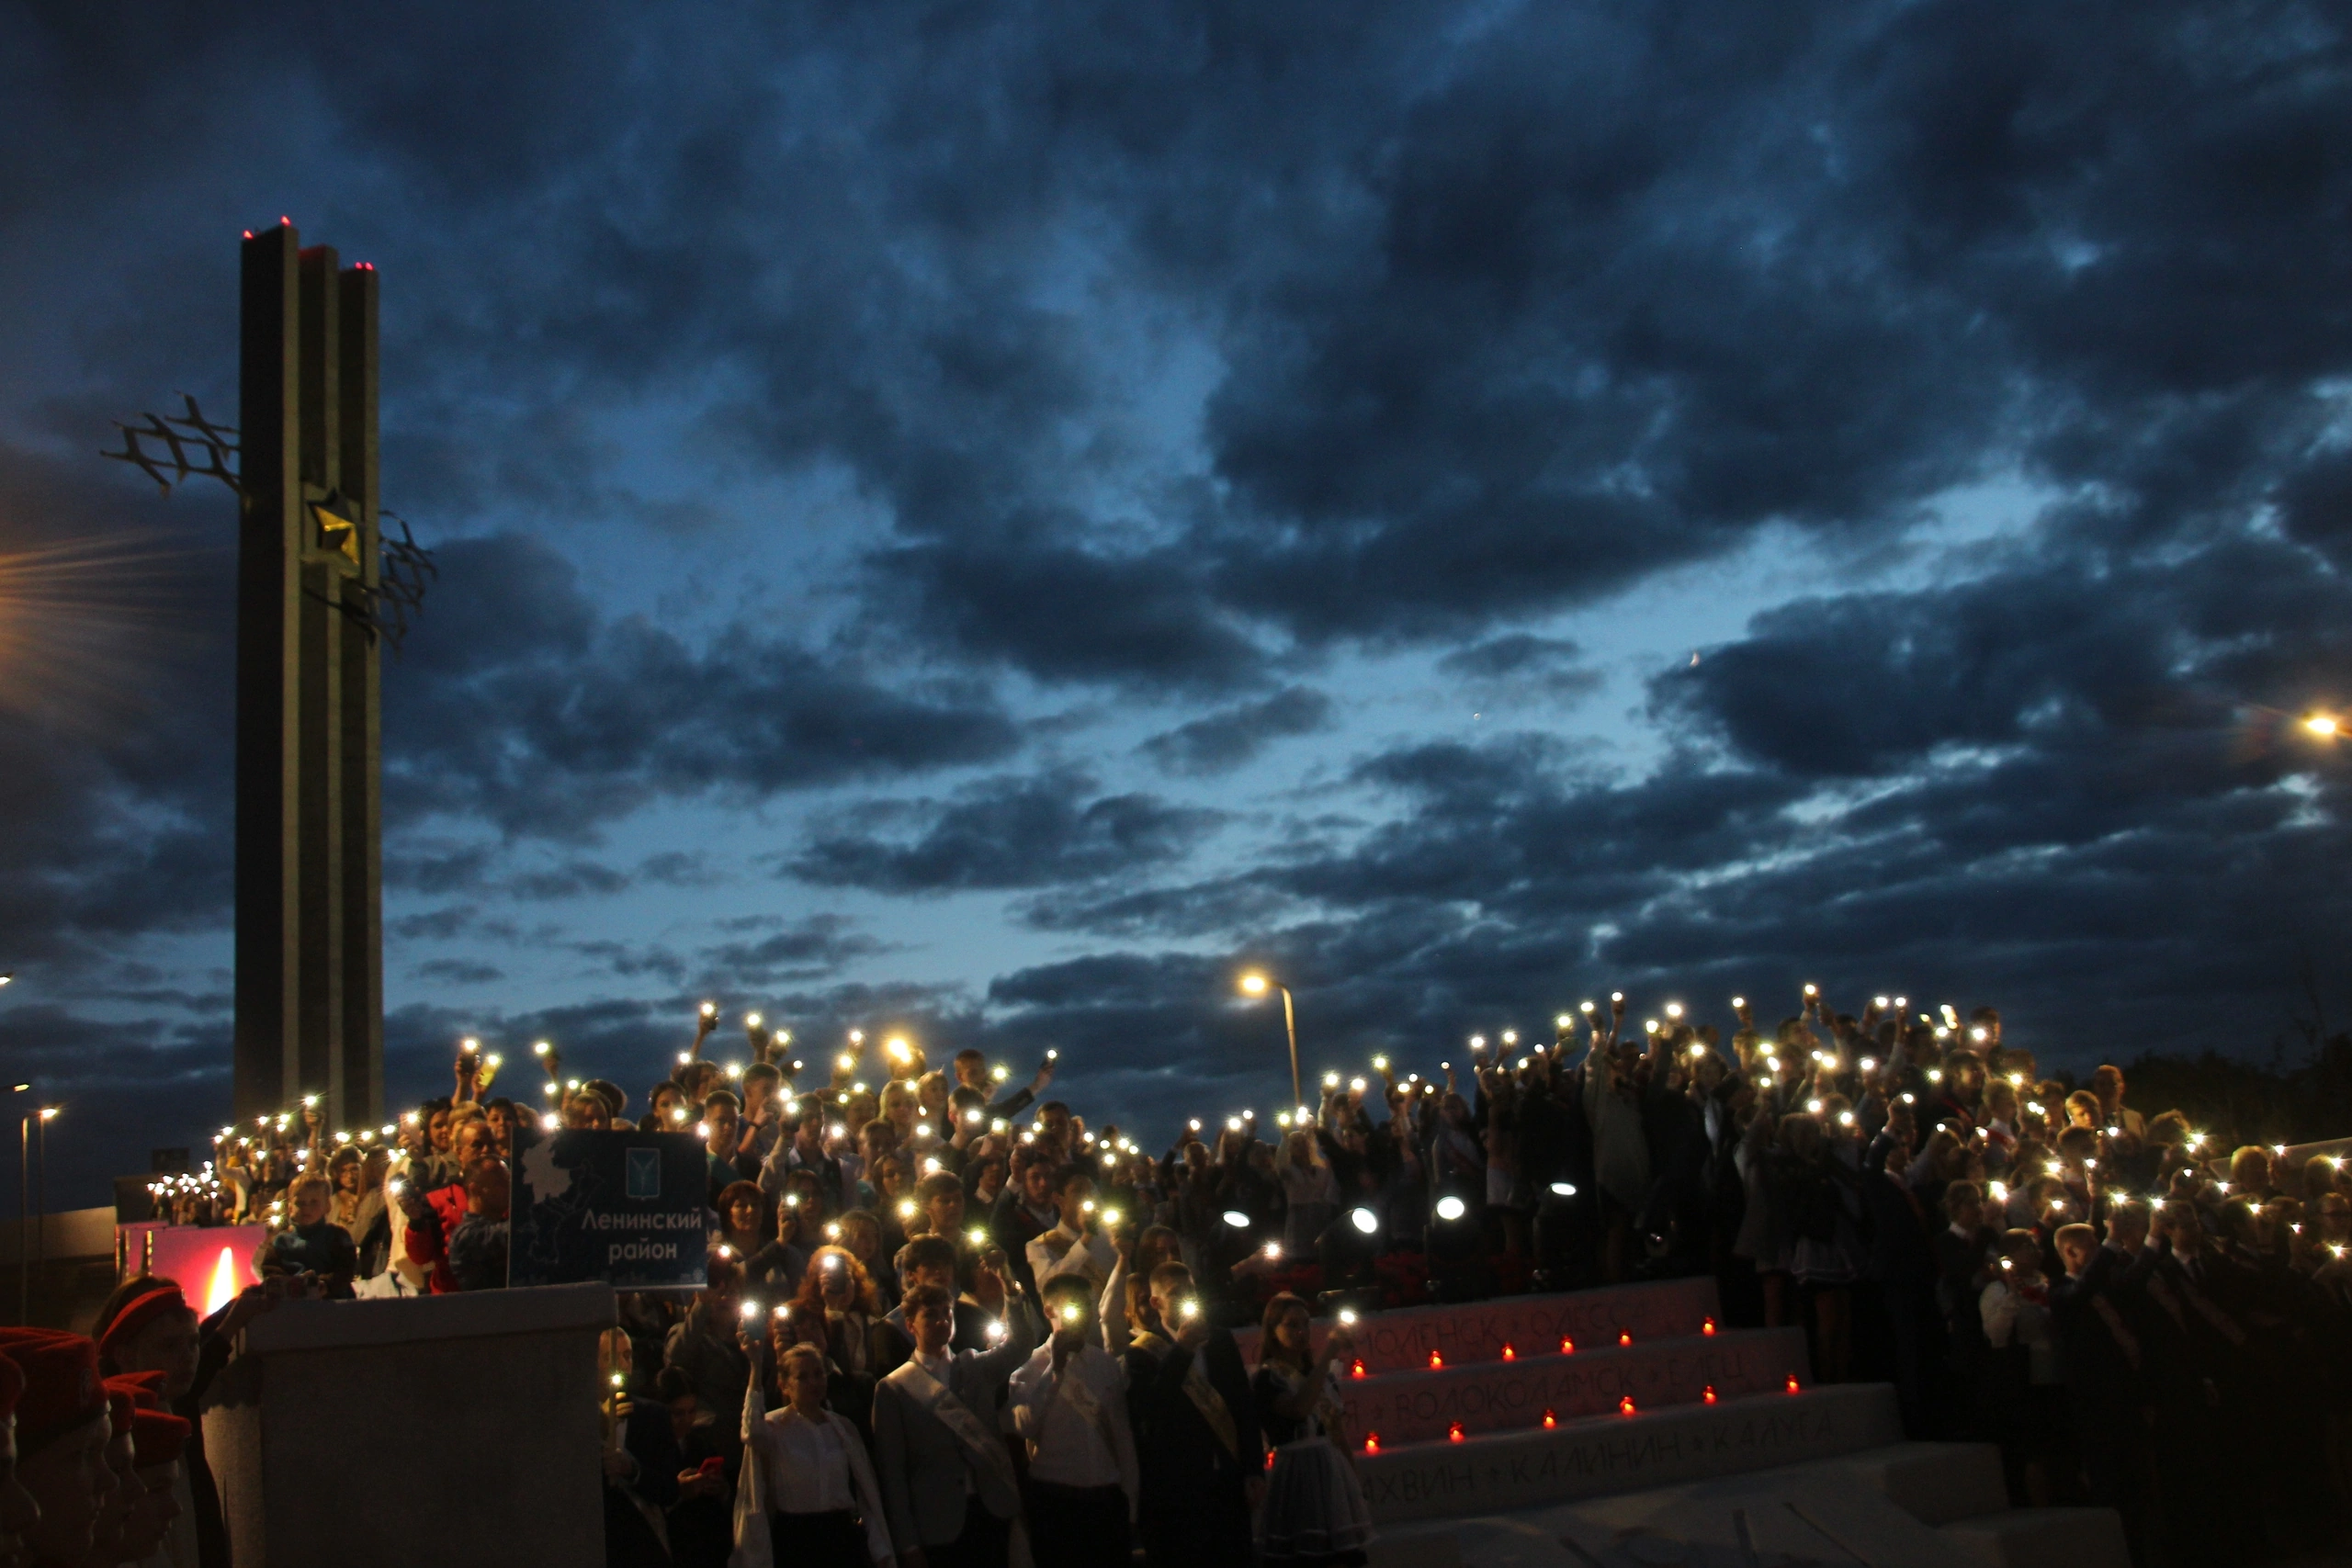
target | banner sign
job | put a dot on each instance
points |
(632, 1209)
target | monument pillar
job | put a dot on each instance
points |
(309, 947)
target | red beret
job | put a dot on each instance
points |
(137, 1314)
(61, 1389)
(146, 1389)
(156, 1437)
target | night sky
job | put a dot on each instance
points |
(988, 519)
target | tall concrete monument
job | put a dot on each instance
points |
(309, 987)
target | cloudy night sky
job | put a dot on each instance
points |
(986, 519)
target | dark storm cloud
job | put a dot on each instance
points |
(808, 950)
(1520, 663)
(1515, 653)
(529, 709)
(1200, 908)
(459, 972)
(1010, 833)
(1156, 345)
(1222, 740)
(571, 879)
(2071, 653)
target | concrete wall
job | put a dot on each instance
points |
(65, 1291)
(454, 1430)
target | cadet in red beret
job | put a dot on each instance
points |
(62, 1437)
(18, 1512)
(157, 1440)
(151, 1327)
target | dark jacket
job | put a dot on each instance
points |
(630, 1540)
(1194, 1502)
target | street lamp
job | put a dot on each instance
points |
(24, 1194)
(41, 1197)
(2327, 726)
(24, 1202)
(1256, 984)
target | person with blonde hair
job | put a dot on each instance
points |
(808, 1494)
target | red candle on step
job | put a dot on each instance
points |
(1709, 1397)
(1567, 1346)
(1708, 1326)
(1357, 1370)
(1792, 1382)
(1626, 1405)
(1510, 1354)
(1550, 1420)
(1625, 1339)
(1454, 1431)
(1437, 1362)
(1372, 1442)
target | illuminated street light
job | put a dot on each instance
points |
(1254, 984)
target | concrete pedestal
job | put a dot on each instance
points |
(455, 1430)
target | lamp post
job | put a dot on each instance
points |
(40, 1202)
(1256, 984)
(24, 1203)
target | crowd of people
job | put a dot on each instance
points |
(946, 1320)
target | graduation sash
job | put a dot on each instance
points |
(1197, 1387)
(982, 1449)
(1212, 1406)
(1068, 1385)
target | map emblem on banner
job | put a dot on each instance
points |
(629, 1208)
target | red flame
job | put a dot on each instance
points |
(1510, 1354)
(1792, 1382)
(1454, 1431)
(1372, 1442)
(1356, 1371)
(1626, 1405)
(1437, 1362)
(1708, 1326)
(1708, 1397)
(1625, 1339)
(1550, 1420)
(1567, 1346)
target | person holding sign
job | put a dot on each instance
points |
(947, 1481)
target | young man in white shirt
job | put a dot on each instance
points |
(1080, 1243)
(1070, 1403)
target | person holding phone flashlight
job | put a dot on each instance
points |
(1070, 1404)
(1198, 1445)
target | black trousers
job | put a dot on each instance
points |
(983, 1544)
(817, 1540)
(1077, 1527)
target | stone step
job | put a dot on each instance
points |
(1606, 1455)
(1934, 1482)
(1477, 1331)
(2041, 1538)
(1513, 1395)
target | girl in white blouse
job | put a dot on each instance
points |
(808, 1496)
